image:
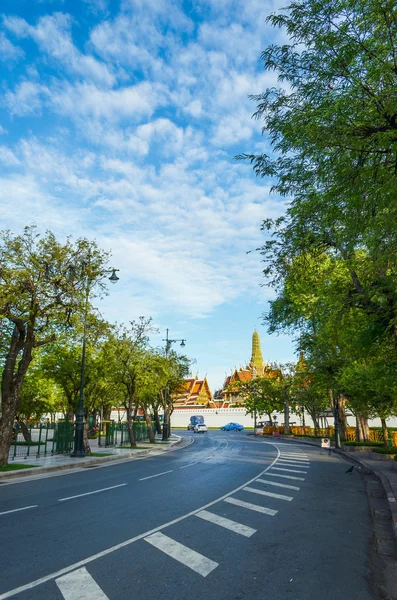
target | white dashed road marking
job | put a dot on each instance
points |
(226, 523)
(79, 585)
(286, 476)
(289, 470)
(157, 475)
(94, 492)
(277, 484)
(190, 558)
(269, 494)
(7, 512)
(261, 509)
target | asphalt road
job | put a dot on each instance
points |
(227, 516)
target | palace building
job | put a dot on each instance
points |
(196, 393)
(229, 396)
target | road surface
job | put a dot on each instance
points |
(223, 516)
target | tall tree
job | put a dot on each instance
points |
(40, 293)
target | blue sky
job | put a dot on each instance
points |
(119, 121)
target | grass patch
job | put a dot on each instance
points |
(392, 450)
(363, 443)
(100, 454)
(17, 467)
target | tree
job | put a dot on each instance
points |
(126, 351)
(333, 136)
(40, 293)
(261, 394)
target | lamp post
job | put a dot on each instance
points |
(78, 450)
(168, 344)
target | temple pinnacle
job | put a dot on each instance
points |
(256, 362)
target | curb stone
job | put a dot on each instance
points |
(391, 498)
(7, 475)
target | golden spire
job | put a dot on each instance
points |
(257, 363)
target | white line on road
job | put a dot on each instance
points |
(276, 484)
(7, 512)
(301, 460)
(277, 475)
(226, 523)
(293, 463)
(289, 470)
(261, 509)
(79, 585)
(188, 557)
(265, 493)
(94, 492)
(297, 456)
(128, 542)
(157, 475)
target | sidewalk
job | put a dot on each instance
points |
(61, 462)
(384, 469)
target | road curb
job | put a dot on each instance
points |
(391, 498)
(5, 476)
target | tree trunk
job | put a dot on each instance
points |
(342, 417)
(25, 430)
(106, 412)
(86, 443)
(6, 424)
(385, 432)
(14, 372)
(149, 428)
(157, 421)
(286, 416)
(362, 428)
(270, 418)
(130, 424)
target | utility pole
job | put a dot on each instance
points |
(168, 344)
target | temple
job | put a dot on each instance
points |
(229, 395)
(196, 393)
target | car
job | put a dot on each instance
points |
(190, 427)
(232, 427)
(200, 428)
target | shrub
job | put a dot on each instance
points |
(392, 450)
(363, 443)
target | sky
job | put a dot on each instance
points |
(119, 122)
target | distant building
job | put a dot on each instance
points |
(229, 396)
(196, 393)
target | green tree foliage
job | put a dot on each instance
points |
(41, 292)
(332, 124)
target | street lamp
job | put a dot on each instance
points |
(168, 344)
(78, 451)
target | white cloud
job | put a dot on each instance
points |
(52, 34)
(7, 157)
(27, 98)
(3, 131)
(8, 52)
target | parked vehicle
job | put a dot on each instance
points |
(195, 420)
(200, 428)
(232, 427)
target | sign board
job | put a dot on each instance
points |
(325, 443)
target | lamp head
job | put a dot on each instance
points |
(183, 344)
(113, 278)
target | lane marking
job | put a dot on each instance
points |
(226, 523)
(265, 493)
(296, 456)
(128, 542)
(188, 557)
(300, 460)
(293, 463)
(90, 493)
(110, 463)
(278, 475)
(277, 484)
(289, 470)
(256, 507)
(7, 512)
(79, 585)
(157, 475)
